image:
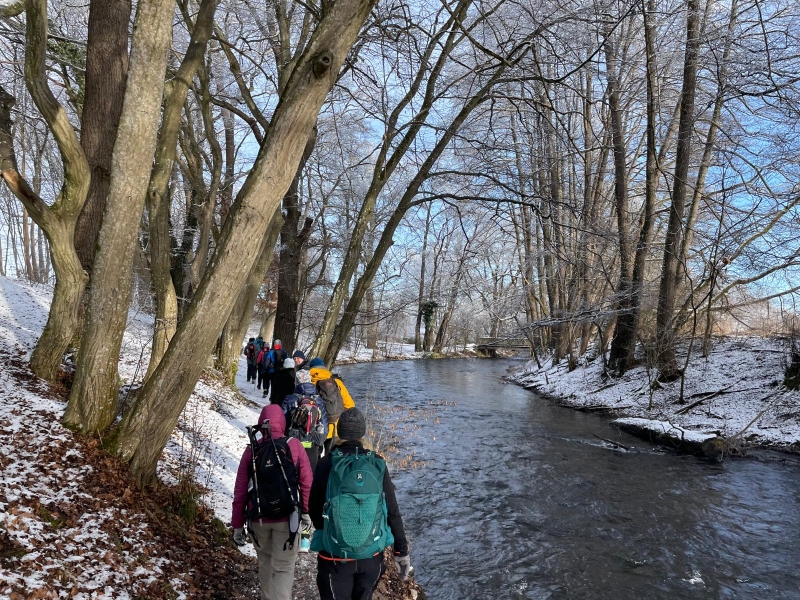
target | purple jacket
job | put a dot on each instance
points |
(277, 422)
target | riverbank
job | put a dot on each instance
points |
(734, 397)
(388, 352)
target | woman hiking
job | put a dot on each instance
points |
(348, 471)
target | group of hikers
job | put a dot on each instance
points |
(307, 470)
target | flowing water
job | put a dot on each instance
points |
(517, 498)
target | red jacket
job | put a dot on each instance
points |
(277, 423)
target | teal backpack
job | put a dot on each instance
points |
(355, 513)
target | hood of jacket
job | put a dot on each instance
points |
(277, 422)
(320, 374)
(305, 389)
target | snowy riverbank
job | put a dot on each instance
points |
(71, 522)
(736, 393)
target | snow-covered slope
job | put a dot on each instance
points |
(737, 390)
(63, 536)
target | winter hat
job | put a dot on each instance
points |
(288, 364)
(277, 345)
(302, 377)
(252, 340)
(316, 362)
(299, 354)
(352, 425)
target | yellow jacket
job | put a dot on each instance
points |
(319, 374)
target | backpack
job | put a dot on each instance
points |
(355, 513)
(305, 423)
(273, 491)
(332, 396)
(276, 360)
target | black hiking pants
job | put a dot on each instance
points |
(251, 373)
(313, 456)
(351, 580)
(263, 380)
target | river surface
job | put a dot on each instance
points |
(517, 498)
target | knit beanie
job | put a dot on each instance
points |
(316, 362)
(299, 354)
(288, 364)
(352, 425)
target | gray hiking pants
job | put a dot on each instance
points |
(275, 565)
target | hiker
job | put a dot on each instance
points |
(282, 382)
(260, 343)
(262, 365)
(277, 358)
(333, 392)
(251, 352)
(276, 546)
(305, 423)
(300, 360)
(350, 570)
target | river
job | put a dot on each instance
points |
(517, 498)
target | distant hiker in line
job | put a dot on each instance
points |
(260, 343)
(333, 392)
(300, 360)
(276, 359)
(306, 418)
(350, 560)
(268, 508)
(263, 369)
(282, 382)
(251, 352)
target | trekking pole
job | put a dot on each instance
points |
(251, 433)
(295, 498)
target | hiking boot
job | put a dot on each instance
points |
(305, 545)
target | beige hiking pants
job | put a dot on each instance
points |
(275, 565)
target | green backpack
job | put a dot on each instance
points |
(355, 513)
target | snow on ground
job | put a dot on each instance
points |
(49, 516)
(738, 390)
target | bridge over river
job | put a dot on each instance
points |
(488, 346)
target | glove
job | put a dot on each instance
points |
(239, 537)
(305, 522)
(404, 568)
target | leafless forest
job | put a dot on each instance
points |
(591, 175)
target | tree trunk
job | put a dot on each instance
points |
(625, 318)
(158, 197)
(229, 345)
(147, 427)
(57, 221)
(106, 71)
(93, 401)
(292, 250)
(665, 328)
(421, 296)
(198, 265)
(711, 135)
